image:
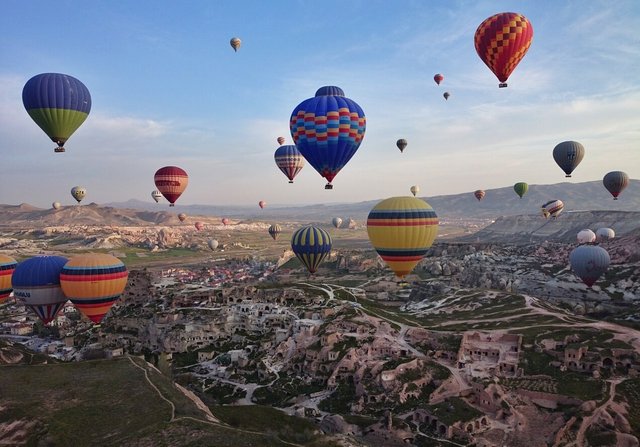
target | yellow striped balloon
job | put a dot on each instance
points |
(401, 229)
(311, 245)
(93, 282)
(7, 266)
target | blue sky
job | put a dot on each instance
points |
(167, 89)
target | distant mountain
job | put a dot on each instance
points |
(497, 202)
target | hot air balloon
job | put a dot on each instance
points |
(262, 204)
(7, 266)
(93, 282)
(351, 224)
(588, 262)
(311, 245)
(213, 244)
(401, 229)
(36, 282)
(615, 182)
(56, 205)
(156, 195)
(586, 236)
(521, 188)
(336, 221)
(401, 143)
(545, 213)
(58, 103)
(605, 234)
(479, 193)
(281, 140)
(438, 78)
(553, 207)
(501, 41)
(328, 129)
(415, 189)
(289, 160)
(78, 193)
(274, 231)
(446, 95)
(171, 181)
(568, 155)
(225, 221)
(182, 217)
(235, 43)
(199, 226)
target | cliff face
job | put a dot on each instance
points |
(532, 228)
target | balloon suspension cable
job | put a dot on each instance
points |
(59, 149)
(328, 186)
(502, 85)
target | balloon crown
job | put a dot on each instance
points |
(329, 90)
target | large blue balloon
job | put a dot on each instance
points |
(328, 129)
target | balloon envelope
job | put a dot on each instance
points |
(213, 244)
(521, 188)
(262, 204)
(225, 221)
(336, 221)
(58, 103)
(568, 155)
(501, 42)
(274, 231)
(615, 182)
(56, 205)
(171, 181)
(401, 229)
(235, 43)
(94, 282)
(605, 234)
(401, 143)
(327, 130)
(289, 160)
(78, 193)
(553, 208)
(438, 78)
(311, 245)
(36, 282)
(415, 189)
(446, 95)
(7, 266)
(182, 217)
(589, 262)
(586, 236)
(199, 226)
(156, 195)
(479, 194)
(281, 140)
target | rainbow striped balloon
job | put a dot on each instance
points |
(311, 245)
(7, 266)
(401, 229)
(93, 282)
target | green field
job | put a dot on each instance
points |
(111, 403)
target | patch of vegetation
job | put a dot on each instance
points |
(452, 410)
(340, 400)
(598, 438)
(282, 391)
(629, 391)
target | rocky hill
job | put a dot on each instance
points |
(526, 229)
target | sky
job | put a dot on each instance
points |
(168, 89)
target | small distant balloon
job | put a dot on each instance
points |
(415, 189)
(553, 208)
(401, 143)
(78, 193)
(7, 266)
(225, 221)
(446, 95)
(199, 226)
(262, 204)
(336, 221)
(213, 244)
(289, 160)
(521, 188)
(235, 43)
(615, 182)
(56, 205)
(281, 140)
(589, 262)
(568, 155)
(586, 236)
(352, 224)
(182, 217)
(274, 231)
(605, 234)
(479, 194)
(438, 78)
(156, 195)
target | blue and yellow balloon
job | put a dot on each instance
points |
(311, 245)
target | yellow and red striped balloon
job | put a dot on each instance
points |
(401, 229)
(7, 266)
(93, 282)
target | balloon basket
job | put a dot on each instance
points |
(502, 85)
(290, 181)
(328, 186)
(59, 149)
(615, 198)
(171, 204)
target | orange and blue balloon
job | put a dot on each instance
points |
(7, 266)
(94, 282)
(328, 130)
(289, 160)
(58, 103)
